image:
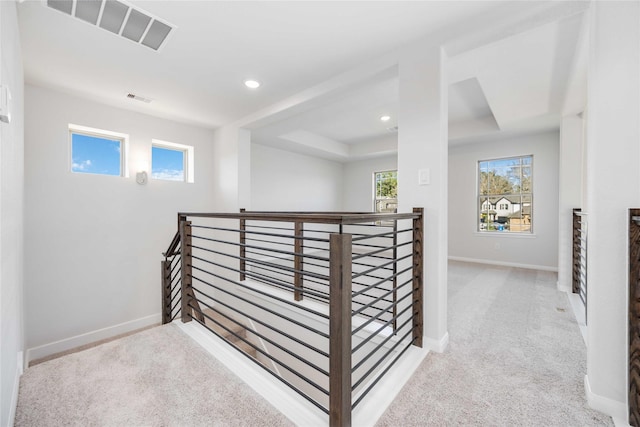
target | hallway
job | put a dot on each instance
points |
(515, 357)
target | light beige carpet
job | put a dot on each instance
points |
(516, 357)
(158, 377)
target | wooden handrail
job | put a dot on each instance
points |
(171, 250)
(324, 217)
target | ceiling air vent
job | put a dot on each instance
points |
(118, 17)
(393, 129)
(139, 98)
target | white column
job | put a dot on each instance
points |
(613, 186)
(423, 146)
(570, 180)
(232, 169)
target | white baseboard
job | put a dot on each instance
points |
(14, 393)
(384, 393)
(504, 263)
(617, 410)
(439, 346)
(90, 337)
(579, 312)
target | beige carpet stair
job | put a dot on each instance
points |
(239, 331)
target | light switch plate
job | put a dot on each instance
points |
(423, 177)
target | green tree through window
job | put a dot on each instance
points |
(386, 191)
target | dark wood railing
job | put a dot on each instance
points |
(356, 277)
(171, 278)
(634, 317)
(579, 282)
(174, 293)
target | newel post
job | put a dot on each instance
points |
(297, 260)
(166, 290)
(340, 330)
(634, 318)
(395, 277)
(243, 241)
(185, 238)
(418, 235)
(576, 252)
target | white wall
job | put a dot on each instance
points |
(93, 243)
(537, 251)
(612, 187)
(286, 181)
(358, 182)
(231, 168)
(11, 216)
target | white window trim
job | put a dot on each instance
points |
(101, 133)
(500, 235)
(189, 157)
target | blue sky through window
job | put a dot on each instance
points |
(167, 164)
(93, 154)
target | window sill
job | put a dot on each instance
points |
(506, 235)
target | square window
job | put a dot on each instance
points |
(171, 161)
(94, 151)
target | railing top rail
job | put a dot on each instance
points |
(171, 250)
(344, 218)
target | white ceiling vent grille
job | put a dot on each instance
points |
(118, 17)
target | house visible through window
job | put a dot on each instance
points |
(171, 161)
(505, 195)
(385, 191)
(95, 151)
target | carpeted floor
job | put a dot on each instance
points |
(158, 377)
(515, 358)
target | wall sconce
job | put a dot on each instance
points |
(141, 176)
(5, 104)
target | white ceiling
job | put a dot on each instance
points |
(197, 76)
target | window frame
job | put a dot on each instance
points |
(529, 194)
(375, 192)
(103, 134)
(188, 159)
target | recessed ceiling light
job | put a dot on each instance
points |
(252, 84)
(385, 118)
